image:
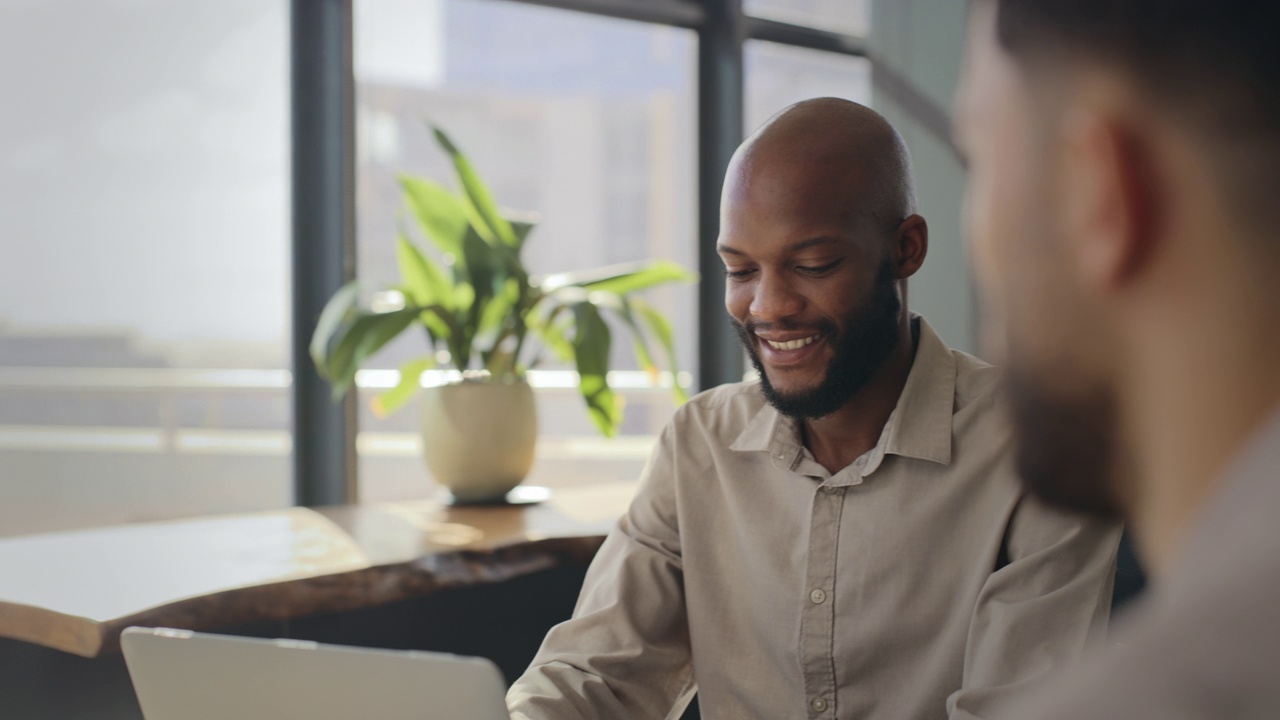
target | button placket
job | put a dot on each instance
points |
(817, 624)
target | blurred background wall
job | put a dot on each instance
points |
(921, 42)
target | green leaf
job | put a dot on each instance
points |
(522, 228)
(424, 281)
(501, 363)
(501, 309)
(500, 327)
(510, 258)
(622, 279)
(661, 328)
(568, 295)
(553, 331)
(368, 334)
(464, 296)
(591, 343)
(453, 334)
(410, 380)
(487, 274)
(621, 306)
(478, 193)
(335, 313)
(486, 266)
(438, 329)
(643, 356)
(444, 317)
(441, 214)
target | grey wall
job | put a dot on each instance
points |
(921, 41)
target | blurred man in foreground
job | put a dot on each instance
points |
(1124, 157)
(844, 538)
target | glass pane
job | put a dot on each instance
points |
(852, 17)
(588, 121)
(779, 75)
(143, 286)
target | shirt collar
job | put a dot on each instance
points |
(919, 427)
(760, 433)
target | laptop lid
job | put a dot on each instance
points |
(184, 675)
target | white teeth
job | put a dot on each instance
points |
(792, 344)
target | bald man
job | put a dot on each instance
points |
(843, 538)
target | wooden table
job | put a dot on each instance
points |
(75, 591)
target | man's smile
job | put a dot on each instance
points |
(785, 350)
(790, 344)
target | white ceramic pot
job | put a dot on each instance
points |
(478, 438)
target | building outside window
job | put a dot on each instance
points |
(144, 255)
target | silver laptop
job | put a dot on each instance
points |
(183, 675)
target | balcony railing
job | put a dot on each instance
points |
(168, 387)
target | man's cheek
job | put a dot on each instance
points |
(980, 230)
(993, 330)
(987, 230)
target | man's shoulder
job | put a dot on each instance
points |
(1182, 655)
(709, 425)
(1207, 637)
(724, 408)
(976, 379)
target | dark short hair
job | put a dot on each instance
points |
(1212, 63)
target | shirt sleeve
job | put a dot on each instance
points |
(1037, 613)
(625, 652)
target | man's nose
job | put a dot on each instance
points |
(774, 299)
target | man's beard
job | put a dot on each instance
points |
(1065, 445)
(869, 337)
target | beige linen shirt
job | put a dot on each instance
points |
(919, 582)
(1204, 642)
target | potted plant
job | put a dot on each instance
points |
(485, 315)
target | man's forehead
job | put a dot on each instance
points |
(778, 222)
(812, 157)
(799, 182)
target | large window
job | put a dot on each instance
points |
(145, 244)
(144, 282)
(594, 131)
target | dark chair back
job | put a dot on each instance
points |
(1131, 579)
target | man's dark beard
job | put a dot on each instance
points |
(1065, 446)
(869, 337)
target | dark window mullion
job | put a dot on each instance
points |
(720, 121)
(323, 252)
(804, 36)
(677, 13)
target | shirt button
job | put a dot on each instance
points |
(818, 596)
(819, 704)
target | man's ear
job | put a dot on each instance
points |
(1107, 200)
(911, 245)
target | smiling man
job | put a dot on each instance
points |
(843, 538)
